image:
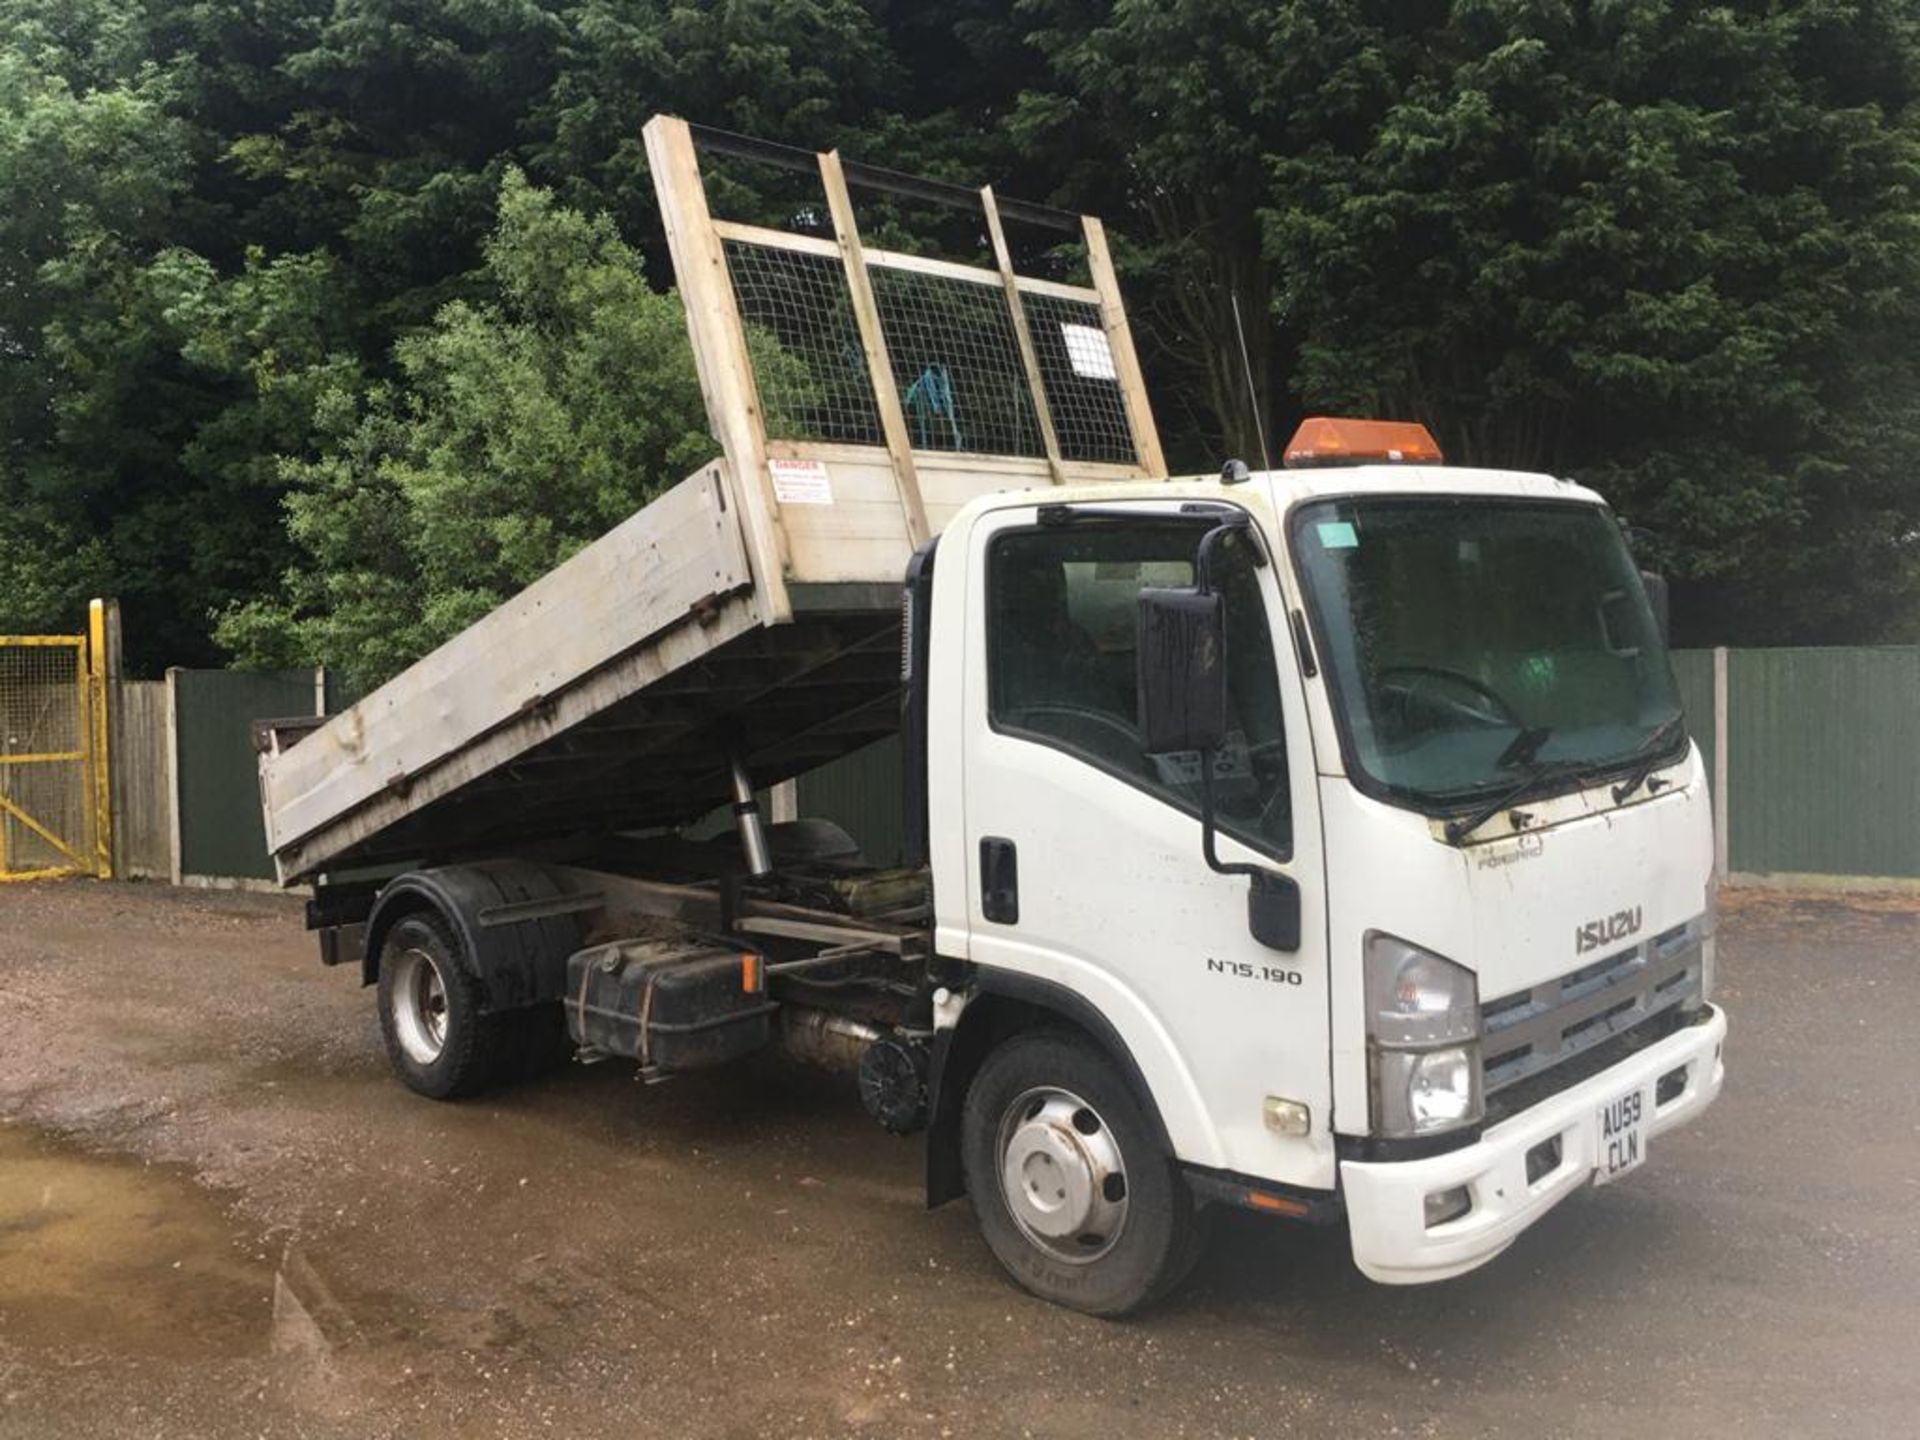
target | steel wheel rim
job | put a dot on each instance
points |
(1062, 1175)
(419, 1006)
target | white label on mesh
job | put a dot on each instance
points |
(801, 482)
(1088, 352)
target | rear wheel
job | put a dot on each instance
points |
(1072, 1192)
(439, 1040)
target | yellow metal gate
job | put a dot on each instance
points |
(54, 806)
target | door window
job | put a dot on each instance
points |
(1062, 632)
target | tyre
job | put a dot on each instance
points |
(439, 1041)
(1072, 1192)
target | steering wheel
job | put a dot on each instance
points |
(1258, 754)
(1096, 730)
(1496, 711)
(1113, 739)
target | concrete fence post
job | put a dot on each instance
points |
(173, 773)
(1722, 845)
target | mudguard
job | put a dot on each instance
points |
(957, 1053)
(515, 923)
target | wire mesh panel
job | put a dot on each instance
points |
(804, 344)
(956, 363)
(1081, 380)
(45, 780)
(844, 335)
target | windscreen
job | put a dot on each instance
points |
(1468, 639)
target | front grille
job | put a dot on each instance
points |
(1533, 1031)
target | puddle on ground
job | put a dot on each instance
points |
(105, 1254)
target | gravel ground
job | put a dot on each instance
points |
(220, 1216)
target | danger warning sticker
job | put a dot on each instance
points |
(801, 482)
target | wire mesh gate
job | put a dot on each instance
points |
(864, 394)
(54, 810)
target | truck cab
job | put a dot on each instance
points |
(1450, 759)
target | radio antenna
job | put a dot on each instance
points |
(1253, 396)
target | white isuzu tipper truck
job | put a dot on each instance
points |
(1324, 841)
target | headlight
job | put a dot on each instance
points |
(1423, 1024)
(1421, 1092)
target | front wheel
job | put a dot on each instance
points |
(1073, 1194)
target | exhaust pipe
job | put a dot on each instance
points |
(746, 816)
(833, 1042)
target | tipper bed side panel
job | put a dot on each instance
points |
(643, 743)
(505, 678)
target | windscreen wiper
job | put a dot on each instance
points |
(1649, 751)
(1539, 775)
(1542, 773)
(1524, 747)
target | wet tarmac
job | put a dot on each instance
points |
(219, 1216)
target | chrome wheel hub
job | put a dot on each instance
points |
(1062, 1174)
(419, 1006)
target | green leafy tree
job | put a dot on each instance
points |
(146, 389)
(88, 183)
(1671, 250)
(1162, 116)
(1667, 249)
(809, 72)
(519, 425)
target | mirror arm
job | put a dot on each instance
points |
(1214, 862)
(1273, 897)
(1203, 581)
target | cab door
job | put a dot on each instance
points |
(1084, 860)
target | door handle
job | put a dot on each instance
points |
(999, 880)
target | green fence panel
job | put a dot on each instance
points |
(1822, 769)
(341, 694)
(1693, 672)
(221, 833)
(1822, 776)
(861, 794)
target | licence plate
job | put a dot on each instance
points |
(1621, 1127)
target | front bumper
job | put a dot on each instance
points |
(1386, 1201)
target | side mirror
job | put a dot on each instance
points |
(1182, 671)
(1273, 910)
(1657, 597)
